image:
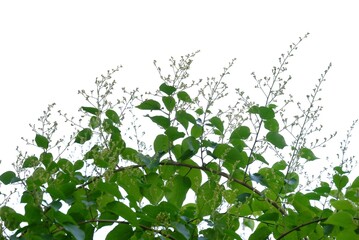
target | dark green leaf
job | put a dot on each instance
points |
(254, 110)
(271, 125)
(189, 148)
(261, 233)
(209, 197)
(78, 165)
(113, 116)
(31, 161)
(161, 121)
(75, 231)
(199, 111)
(173, 133)
(266, 113)
(150, 162)
(161, 144)
(123, 230)
(269, 216)
(276, 139)
(193, 174)
(169, 103)
(9, 177)
(258, 178)
(149, 105)
(83, 136)
(91, 110)
(167, 89)
(109, 188)
(176, 190)
(307, 154)
(152, 188)
(243, 197)
(41, 141)
(182, 95)
(217, 123)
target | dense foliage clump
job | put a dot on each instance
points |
(180, 164)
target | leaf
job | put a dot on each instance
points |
(123, 230)
(276, 139)
(193, 174)
(9, 177)
(169, 103)
(91, 110)
(31, 161)
(161, 144)
(189, 148)
(167, 89)
(161, 121)
(240, 133)
(281, 165)
(254, 109)
(182, 95)
(113, 116)
(343, 205)
(261, 233)
(95, 122)
(209, 197)
(266, 113)
(120, 209)
(199, 111)
(269, 216)
(217, 122)
(271, 125)
(258, 178)
(196, 131)
(173, 133)
(152, 188)
(75, 231)
(41, 141)
(307, 154)
(149, 104)
(342, 219)
(340, 181)
(83, 136)
(176, 190)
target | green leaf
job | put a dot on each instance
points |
(109, 188)
(276, 139)
(306, 153)
(340, 181)
(41, 141)
(240, 133)
(271, 125)
(193, 174)
(83, 136)
(254, 109)
(75, 231)
(343, 205)
(269, 216)
(9, 177)
(123, 230)
(217, 123)
(113, 116)
(161, 121)
(342, 219)
(209, 197)
(169, 103)
(173, 133)
(182, 95)
(196, 131)
(281, 165)
(189, 148)
(31, 161)
(259, 157)
(149, 104)
(261, 233)
(266, 113)
(199, 111)
(152, 188)
(176, 190)
(124, 211)
(161, 144)
(78, 165)
(167, 89)
(91, 110)
(10, 218)
(95, 122)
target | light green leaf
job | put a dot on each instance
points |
(342, 219)
(271, 125)
(176, 190)
(196, 131)
(306, 153)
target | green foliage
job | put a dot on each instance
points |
(208, 172)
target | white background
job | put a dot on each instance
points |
(49, 50)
